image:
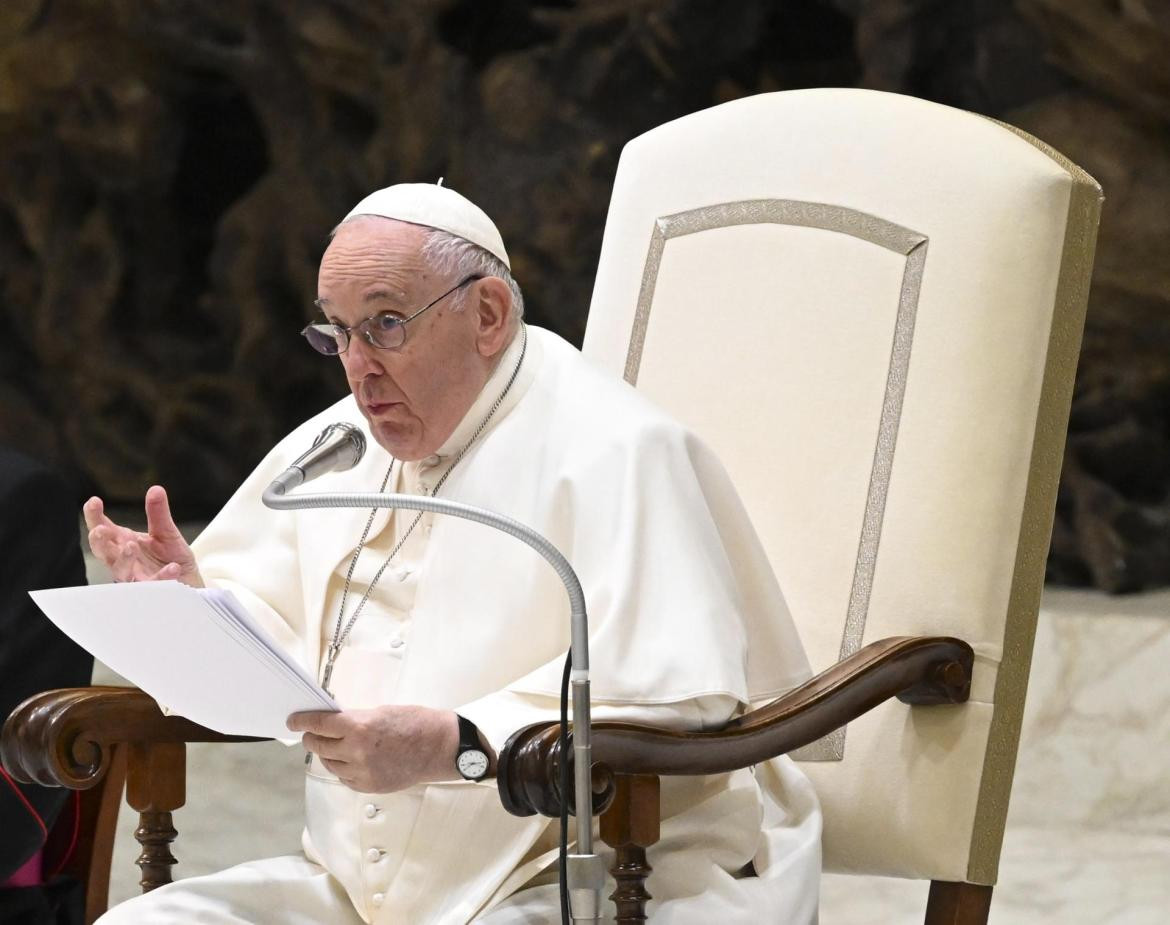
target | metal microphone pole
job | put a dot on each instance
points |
(586, 871)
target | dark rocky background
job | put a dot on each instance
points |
(168, 171)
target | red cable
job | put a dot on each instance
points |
(27, 805)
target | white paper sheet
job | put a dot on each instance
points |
(196, 650)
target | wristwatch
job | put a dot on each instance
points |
(471, 761)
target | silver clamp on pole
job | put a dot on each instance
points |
(586, 871)
(586, 877)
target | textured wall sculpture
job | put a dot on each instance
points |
(170, 170)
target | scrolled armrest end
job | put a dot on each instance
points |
(528, 774)
(50, 738)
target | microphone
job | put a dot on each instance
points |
(338, 447)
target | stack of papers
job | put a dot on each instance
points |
(196, 650)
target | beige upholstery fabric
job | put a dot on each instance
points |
(871, 306)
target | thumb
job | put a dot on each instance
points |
(159, 523)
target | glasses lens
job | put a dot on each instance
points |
(385, 331)
(325, 338)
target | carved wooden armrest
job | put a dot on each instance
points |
(65, 738)
(915, 669)
(96, 739)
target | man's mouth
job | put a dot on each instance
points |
(375, 407)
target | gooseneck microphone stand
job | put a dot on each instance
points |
(585, 870)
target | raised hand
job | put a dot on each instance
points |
(159, 554)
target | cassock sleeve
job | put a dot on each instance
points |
(687, 624)
(682, 601)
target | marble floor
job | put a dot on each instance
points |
(1088, 836)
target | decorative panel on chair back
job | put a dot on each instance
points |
(871, 306)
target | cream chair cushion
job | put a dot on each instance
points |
(870, 306)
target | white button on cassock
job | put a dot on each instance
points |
(378, 898)
(374, 855)
(371, 810)
(397, 642)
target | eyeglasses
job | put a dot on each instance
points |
(383, 330)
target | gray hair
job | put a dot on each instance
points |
(453, 256)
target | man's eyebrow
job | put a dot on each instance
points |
(371, 296)
(383, 294)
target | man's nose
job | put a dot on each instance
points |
(362, 359)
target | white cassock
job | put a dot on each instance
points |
(686, 625)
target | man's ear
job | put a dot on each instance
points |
(493, 310)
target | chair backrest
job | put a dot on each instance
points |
(871, 307)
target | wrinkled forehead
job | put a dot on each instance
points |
(372, 251)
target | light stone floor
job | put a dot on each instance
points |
(1088, 836)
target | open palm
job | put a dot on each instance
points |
(159, 554)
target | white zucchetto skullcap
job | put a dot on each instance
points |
(435, 206)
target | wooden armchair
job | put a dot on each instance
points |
(102, 740)
(870, 306)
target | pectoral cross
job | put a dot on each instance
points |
(330, 658)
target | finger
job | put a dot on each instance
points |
(339, 769)
(102, 543)
(319, 722)
(124, 561)
(159, 522)
(95, 513)
(169, 572)
(323, 747)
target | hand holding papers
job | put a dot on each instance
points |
(197, 650)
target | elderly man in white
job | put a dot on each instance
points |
(439, 638)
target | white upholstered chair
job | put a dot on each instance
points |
(871, 307)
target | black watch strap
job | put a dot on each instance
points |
(468, 734)
(471, 761)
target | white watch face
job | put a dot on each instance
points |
(472, 764)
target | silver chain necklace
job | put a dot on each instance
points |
(340, 633)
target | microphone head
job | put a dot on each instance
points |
(353, 444)
(338, 447)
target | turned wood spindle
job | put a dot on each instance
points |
(155, 786)
(155, 833)
(630, 825)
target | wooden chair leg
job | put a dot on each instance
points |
(156, 784)
(957, 903)
(85, 852)
(630, 826)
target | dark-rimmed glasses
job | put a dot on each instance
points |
(384, 330)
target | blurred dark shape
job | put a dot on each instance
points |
(173, 169)
(39, 548)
